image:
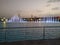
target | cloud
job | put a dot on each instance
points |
(53, 0)
(56, 8)
(38, 10)
(48, 5)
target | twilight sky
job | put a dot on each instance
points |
(26, 8)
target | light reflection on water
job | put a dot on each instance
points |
(4, 24)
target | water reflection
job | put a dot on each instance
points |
(4, 24)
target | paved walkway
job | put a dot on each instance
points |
(34, 42)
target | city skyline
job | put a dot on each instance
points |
(26, 8)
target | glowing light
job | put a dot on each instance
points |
(2, 19)
(6, 19)
(4, 24)
(39, 19)
(31, 19)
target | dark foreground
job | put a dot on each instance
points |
(34, 42)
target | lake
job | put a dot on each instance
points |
(10, 32)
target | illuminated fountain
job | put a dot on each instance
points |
(16, 19)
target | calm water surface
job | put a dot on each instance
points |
(19, 34)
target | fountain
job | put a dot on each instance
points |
(15, 18)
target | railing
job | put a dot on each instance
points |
(29, 33)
